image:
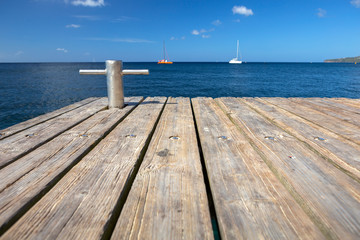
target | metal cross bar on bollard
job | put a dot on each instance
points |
(114, 74)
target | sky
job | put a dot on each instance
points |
(193, 30)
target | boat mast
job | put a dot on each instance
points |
(237, 50)
(164, 48)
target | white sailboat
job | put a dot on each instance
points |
(235, 60)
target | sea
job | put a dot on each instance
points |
(28, 90)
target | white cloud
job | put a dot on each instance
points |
(87, 17)
(216, 22)
(237, 20)
(62, 50)
(124, 19)
(242, 10)
(205, 36)
(18, 53)
(127, 40)
(198, 32)
(356, 3)
(72, 26)
(88, 3)
(321, 12)
(175, 38)
(195, 32)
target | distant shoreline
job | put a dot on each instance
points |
(343, 60)
(154, 62)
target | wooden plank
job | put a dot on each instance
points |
(17, 145)
(24, 181)
(42, 118)
(82, 204)
(343, 153)
(329, 110)
(168, 198)
(250, 202)
(344, 129)
(348, 101)
(355, 102)
(340, 105)
(329, 196)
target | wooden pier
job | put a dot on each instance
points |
(180, 168)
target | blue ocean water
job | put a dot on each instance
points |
(31, 89)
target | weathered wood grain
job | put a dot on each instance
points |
(343, 153)
(81, 205)
(278, 169)
(250, 202)
(337, 112)
(17, 145)
(23, 182)
(342, 128)
(329, 196)
(341, 105)
(42, 118)
(348, 101)
(168, 198)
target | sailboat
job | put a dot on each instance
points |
(164, 61)
(235, 60)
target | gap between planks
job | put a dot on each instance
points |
(89, 192)
(43, 118)
(329, 196)
(168, 199)
(250, 202)
(340, 152)
(18, 145)
(25, 181)
(246, 130)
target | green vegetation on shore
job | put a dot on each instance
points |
(344, 60)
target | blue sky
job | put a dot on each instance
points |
(194, 30)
